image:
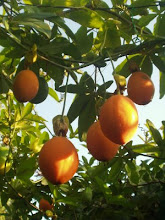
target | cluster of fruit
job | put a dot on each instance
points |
(118, 119)
(117, 124)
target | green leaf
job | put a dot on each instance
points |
(158, 62)
(44, 137)
(87, 81)
(4, 84)
(73, 51)
(77, 106)
(23, 125)
(146, 19)
(85, 160)
(68, 3)
(154, 132)
(53, 94)
(73, 201)
(33, 23)
(84, 41)
(111, 37)
(55, 72)
(35, 118)
(123, 68)
(61, 23)
(86, 118)
(71, 88)
(162, 83)
(27, 110)
(137, 8)
(115, 169)
(118, 2)
(85, 17)
(158, 30)
(132, 172)
(26, 168)
(146, 65)
(104, 86)
(145, 148)
(87, 194)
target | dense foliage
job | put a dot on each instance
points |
(41, 35)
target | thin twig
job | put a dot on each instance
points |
(63, 109)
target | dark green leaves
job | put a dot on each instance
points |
(158, 30)
(162, 83)
(154, 132)
(86, 118)
(132, 172)
(84, 40)
(4, 84)
(29, 21)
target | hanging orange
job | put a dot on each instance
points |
(44, 205)
(140, 88)
(100, 146)
(58, 160)
(119, 119)
(25, 86)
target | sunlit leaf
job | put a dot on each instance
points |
(53, 94)
(27, 110)
(86, 17)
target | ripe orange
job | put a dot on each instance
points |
(119, 119)
(44, 205)
(25, 86)
(140, 88)
(98, 145)
(58, 160)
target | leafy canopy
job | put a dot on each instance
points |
(64, 39)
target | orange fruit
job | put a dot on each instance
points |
(98, 145)
(25, 86)
(119, 119)
(58, 160)
(44, 205)
(140, 88)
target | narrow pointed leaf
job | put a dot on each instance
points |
(27, 110)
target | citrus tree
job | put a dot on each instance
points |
(45, 41)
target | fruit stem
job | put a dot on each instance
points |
(114, 71)
(63, 109)
(104, 97)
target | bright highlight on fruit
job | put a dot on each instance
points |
(140, 88)
(100, 146)
(25, 86)
(58, 160)
(119, 119)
